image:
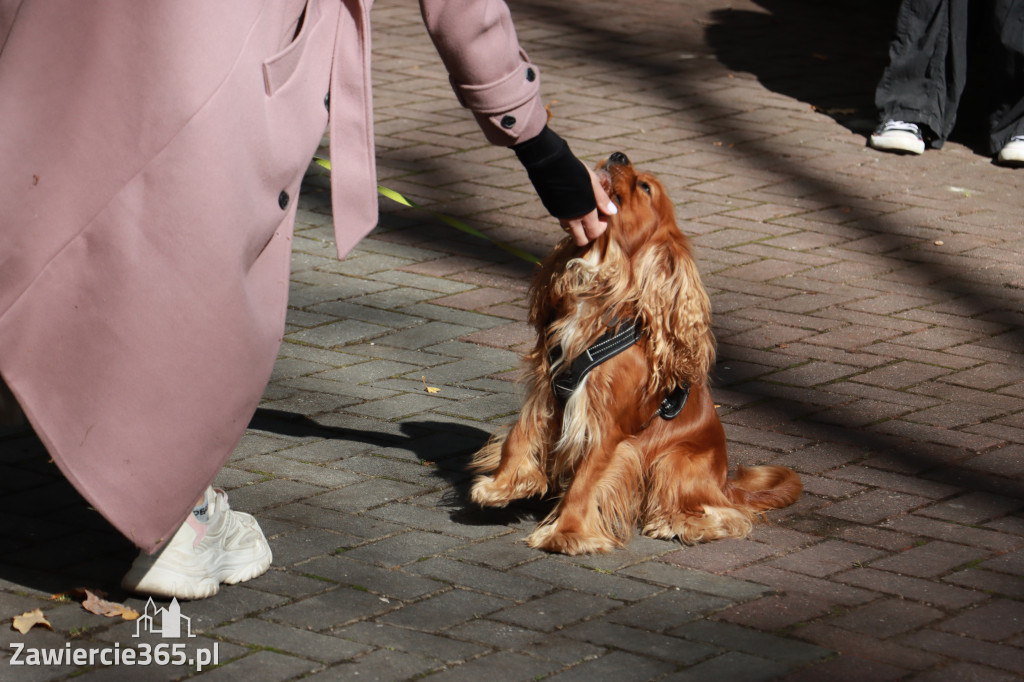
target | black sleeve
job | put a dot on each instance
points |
(561, 180)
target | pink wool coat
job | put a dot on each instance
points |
(150, 161)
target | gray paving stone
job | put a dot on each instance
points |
(330, 609)
(445, 610)
(482, 579)
(451, 651)
(752, 642)
(270, 494)
(662, 647)
(386, 582)
(499, 553)
(469, 351)
(296, 641)
(465, 318)
(690, 579)
(291, 548)
(399, 406)
(337, 334)
(379, 666)
(395, 298)
(415, 472)
(556, 610)
(426, 335)
(667, 610)
(615, 667)
(365, 495)
(403, 549)
(287, 468)
(587, 580)
(732, 666)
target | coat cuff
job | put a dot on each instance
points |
(508, 110)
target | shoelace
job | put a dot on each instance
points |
(900, 125)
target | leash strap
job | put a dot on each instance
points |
(564, 380)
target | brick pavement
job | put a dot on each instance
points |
(868, 312)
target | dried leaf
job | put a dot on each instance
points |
(429, 389)
(102, 607)
(30, 619)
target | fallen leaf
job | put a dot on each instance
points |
(429, 389)
(939, 242)
(30, 619)
(102, 607)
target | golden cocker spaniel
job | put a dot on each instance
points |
(618, 421)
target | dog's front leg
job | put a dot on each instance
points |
(516, 459)
(600, 508)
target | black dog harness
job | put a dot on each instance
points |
(566, 377)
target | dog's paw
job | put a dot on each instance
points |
(715, 523)
(498, 491)
(550, 539)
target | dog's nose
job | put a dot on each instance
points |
(618, 159)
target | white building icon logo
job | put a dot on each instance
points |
(170, 621)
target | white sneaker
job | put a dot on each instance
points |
(229, 548)
(898, 136)
(1013, 152)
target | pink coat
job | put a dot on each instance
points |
(150, 161)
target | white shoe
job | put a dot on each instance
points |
(1013, 152)
(229, 548)
(898, 136)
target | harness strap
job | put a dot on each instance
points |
(564, 380)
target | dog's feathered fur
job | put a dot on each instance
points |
(614, 463)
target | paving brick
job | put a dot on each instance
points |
(926, 591)
(502, 665)
(402, 549)
(994, 621)
(826, 558)
(955, 532)
(968, 649)
(448, 650)
(586, 580)
(556, 610)
(637, 641)
(973, 507)
(988, 582)
(847, 669)
(386, 582)
(482, 579)
(445, 610)
(885, 651)
(731, 666)
(296, 641)
(720, 556)
(379, 665)
(775, 612)
(751, 642)
(930, 559)
(616, 665)
(965, 671)
(886, 617)
(367, 494)
(874, 506)
(796, 583)
(699, 581)
(264, 665)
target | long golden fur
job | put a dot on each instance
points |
(611, 460)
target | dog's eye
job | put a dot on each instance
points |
(645, 187)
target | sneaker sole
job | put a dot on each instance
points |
(158, 582)
(899, 145)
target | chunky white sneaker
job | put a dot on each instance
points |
(1013, 152)
(229, 548)
(898, 136)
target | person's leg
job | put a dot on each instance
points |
(1006, 120)
(927, 69)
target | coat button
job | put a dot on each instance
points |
(531, 75)
(282, 200)
(507, 122)
(327, 101)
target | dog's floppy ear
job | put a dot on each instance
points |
(674, 310)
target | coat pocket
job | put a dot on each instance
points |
(278, 69)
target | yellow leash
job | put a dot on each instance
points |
(446, 219)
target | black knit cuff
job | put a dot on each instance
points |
(561, 180)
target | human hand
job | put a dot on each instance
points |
(589, 227)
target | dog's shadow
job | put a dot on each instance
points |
(448, 447)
